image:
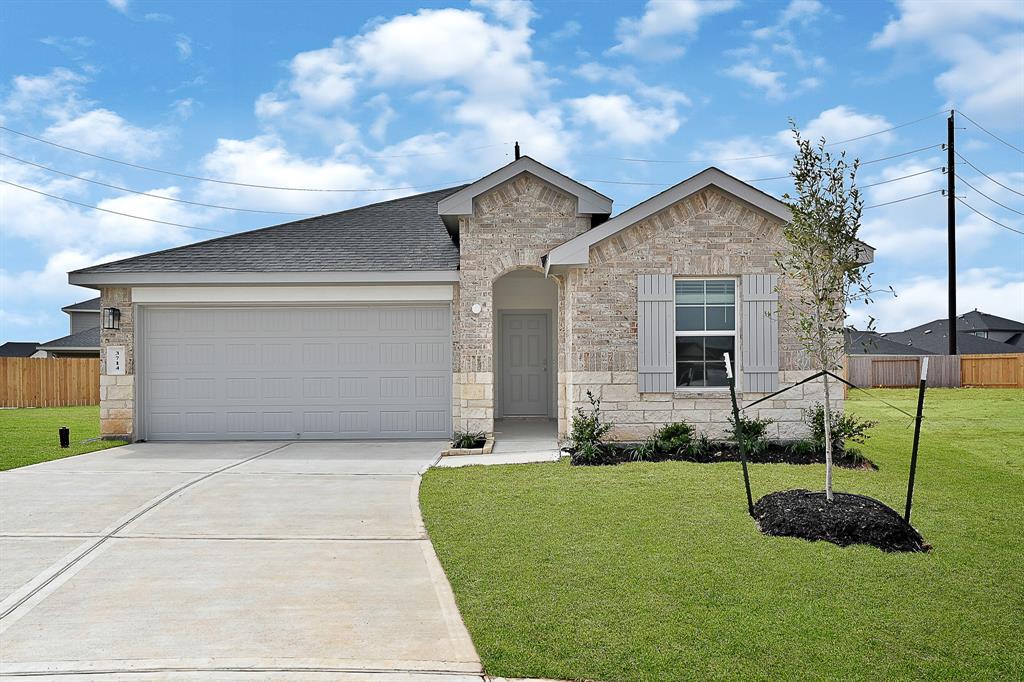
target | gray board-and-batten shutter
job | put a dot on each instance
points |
(655, 332)
(760, 333)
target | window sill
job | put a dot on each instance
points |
(717, 392)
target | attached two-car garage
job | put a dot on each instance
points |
(282, 372)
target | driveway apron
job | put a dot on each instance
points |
(290, 560)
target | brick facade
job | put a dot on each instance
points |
(117, 393)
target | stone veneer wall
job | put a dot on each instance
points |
(117, 393)
(706, 234)
(512, 227)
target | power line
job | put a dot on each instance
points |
(412, 154)
(986, 174)
(991, 220)
(226, 182)
(147, 194)
(1008, 208)
(990, 133)
(902, 177)
(107, 210)
(896, 156)
(776, 155)
(896, 201)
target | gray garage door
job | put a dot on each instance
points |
(296, 372)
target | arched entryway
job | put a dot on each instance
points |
(525, 353)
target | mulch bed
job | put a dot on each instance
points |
(775, 453)
(848, 520)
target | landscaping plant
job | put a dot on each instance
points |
(845, 428)
(588, 432)
(469, 439)
(755, 434)
(823, 262)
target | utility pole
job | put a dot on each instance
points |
(951, 230)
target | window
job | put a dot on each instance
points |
(705, 331)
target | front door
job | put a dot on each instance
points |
(525, 384)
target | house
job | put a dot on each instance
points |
(509, 297)
(83, 339)
(20, 349)
(977, 334)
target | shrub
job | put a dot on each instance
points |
(588, 432)
(469, 439)
(648, 450)
(674, 439)
(754, 433)
(845, 428)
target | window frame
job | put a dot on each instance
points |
(734, 332)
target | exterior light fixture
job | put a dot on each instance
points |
(111, 318)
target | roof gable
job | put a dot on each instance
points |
(588, 201)
(576, 251)
(91, 305)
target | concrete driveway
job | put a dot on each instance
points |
(291, 560)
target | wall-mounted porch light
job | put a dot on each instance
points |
(111, 318)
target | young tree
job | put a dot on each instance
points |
(825, 261)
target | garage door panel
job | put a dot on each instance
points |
(344, 372)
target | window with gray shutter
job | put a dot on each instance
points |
(655, 333)
(760, 333)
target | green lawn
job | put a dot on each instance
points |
(29, 435)
(655, 572)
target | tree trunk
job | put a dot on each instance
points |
(828, 442)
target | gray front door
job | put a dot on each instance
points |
(525, 383)
(347, 372)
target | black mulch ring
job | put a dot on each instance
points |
(848, 520)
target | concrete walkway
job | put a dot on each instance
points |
(304, 560)
(516, 441)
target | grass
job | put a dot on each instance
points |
(28, 435)
(655, 572)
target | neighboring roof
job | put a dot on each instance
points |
(872, 343)
(403, 234)
(18, 349)
(935, 340)
(87, 339)
(589, 201)
(90, 306)
(976, 321)
(576, 251)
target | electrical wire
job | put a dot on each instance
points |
(777, 155)
(991, 220)
(902, 177)
(107, 210)
(896, 156)
(990, 133)
(227, 182)
(897, 201)
(147, 194)
(986, 174)
(1008, 208)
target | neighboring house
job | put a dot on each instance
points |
(977, 334)
(20, 349)
(83, 341)
(510, 297)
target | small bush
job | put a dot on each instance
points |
(845, 428)
(588, 432)
(674, 439)
(649, 450)
(469, 439)
(754, 433)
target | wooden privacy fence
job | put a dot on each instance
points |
(993, 371)
(49, 382)
(944, 371)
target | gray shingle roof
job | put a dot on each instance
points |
(87, 338)
(87, 305)
(400, 234)
(872, 343)
(18, 349)
(936, 341)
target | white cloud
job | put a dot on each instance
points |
(980, 41)
(515, 12)
(569, 29)
(753, 158)
(659, 32)
(594, 72)
(770, 82)
(120, 5)
(991, 290)
(104, 131)
(184, 45)
(183, 108)
(622, 120)
(51, 95)
(842, 123)
(51, 281)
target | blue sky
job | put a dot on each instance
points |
(420, 94)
